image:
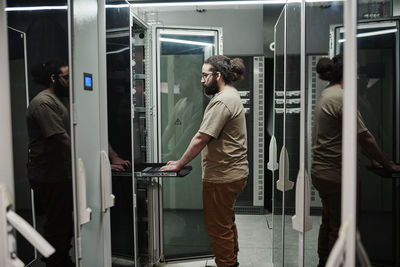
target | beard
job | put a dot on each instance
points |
(212, 88)
(60, 90)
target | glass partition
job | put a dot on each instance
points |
(279, 113)
(42, 164)
(181, 57)
(292, 246)
(378, 94)
(119, 97)
(19, 96)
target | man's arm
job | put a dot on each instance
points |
(371, 149)
(198, 142)
(65, 140)
(117, 163)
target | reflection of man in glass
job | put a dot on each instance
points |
(223, 141)
(184, 121)
(49, 158)
(327, 152)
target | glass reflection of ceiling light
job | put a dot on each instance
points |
(33, 8)
(117, 6)
(367, 34)
(168, 4)
(179, 41)
(117, 51)
(36, 8)
(208, 3)
(225, 3)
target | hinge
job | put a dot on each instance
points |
(134, 201)
(74, 114)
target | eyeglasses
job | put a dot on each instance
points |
(205, 75)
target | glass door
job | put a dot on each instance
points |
(24, 204)
(38, 47)
(180, 53)
(378, 104)
(277, 140)
(293, 212)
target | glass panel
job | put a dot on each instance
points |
(182, 106)
(18, 86)
(277, 206)
(378, 83)
(321, 20)
(378, 74)
(292, 129)
(119, 132)
(42, 160)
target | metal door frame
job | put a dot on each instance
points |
(27, 104)
(157, 209)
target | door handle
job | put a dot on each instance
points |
(302, 221)
(9, 220)
(107, 198)
(272, 163)
(284, 184)
(84, 213)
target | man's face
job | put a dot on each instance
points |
(208, 80)
(61, 84)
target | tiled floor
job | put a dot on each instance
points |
(255, 243)
(256, 248)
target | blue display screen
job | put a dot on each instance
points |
(88, 81)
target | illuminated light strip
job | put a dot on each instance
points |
(35, 8)
(117, 6)
(213, 3)
(38, 8)
(366, 34)
(223, 3)
(171, 4)
(170, 40)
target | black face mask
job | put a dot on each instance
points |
(212, 88)
(59, 89)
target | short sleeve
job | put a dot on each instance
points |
(360, 124)
(215, 119)
(49, 121)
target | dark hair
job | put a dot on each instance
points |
(42, 72)
(331, 69)
(232, 70)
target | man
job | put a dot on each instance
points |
(49, 158)
(326, 168)
(223, 142)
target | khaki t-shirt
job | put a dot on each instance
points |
(48, 160)
(327, 134)
(224, 159)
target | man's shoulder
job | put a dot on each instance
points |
(228, 97)
(332, 95)
(42, 99)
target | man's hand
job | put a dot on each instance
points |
(172, 166)
(376, 164)
(117, 167)
(198, 142)
(122, 162)
(392, 167)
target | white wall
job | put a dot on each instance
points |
(242, 28)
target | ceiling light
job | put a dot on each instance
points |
(367, 34)
(180, 41)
